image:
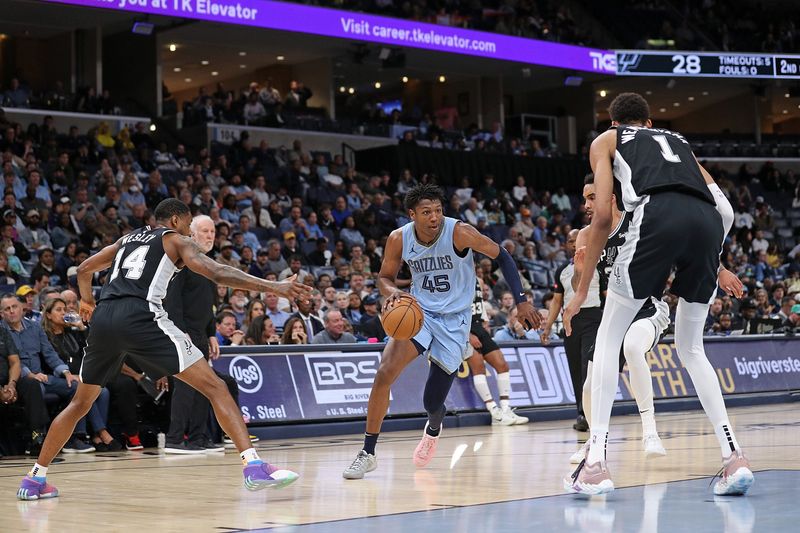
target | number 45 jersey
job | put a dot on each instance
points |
(442, 279)
(141, 268)
(651, 160)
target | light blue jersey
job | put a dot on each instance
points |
(443, 283)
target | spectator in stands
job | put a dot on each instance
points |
(262, 331)
(370, 324)
(46, 263)
(294, 332)
(228, 333)
(514, 330)
(298, 95)
(254, 111)
(350, 234)
(551, 249)
(275, 259)
(14, 388)
(562, 201)
(334, 330)
(294, 268)
(294, 223)
(66, 334)
(226, 255)
(238, 301)
(27, 296)
(35, 351)
(250, 239)
(723, 327)
(33, 236)
(7, 276)
(305, 312)
(278, 316)
(255, 309)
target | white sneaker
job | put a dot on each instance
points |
(500, 417)
(653, 447)
(580, 455)
(518, 420)
(363, 463)
(735, 476)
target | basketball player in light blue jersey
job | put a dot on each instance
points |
(438, 251)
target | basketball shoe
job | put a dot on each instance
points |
(426, 448)
(589, 479)
(501, 417)
(735, 476)
(30, 489)
(652, 446)
(363, 463)
(518, 420)
(260, 475)
(580, 455)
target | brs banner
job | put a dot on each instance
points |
(279, 385)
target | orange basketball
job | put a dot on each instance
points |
(403, 320)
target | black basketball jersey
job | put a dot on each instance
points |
(141, 268)
(650, 160)
(478, 309)
(611, 252)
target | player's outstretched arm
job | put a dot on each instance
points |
(466, 236)
(390, 266)
(195, 260)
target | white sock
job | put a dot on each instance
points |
(586, 398)
(504, 389)
(638, 340)
(249, 455)
(38, 471)
(482, 387)
(617, 317)
(689, 321)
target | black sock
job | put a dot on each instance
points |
(370, 440)
(433, 432)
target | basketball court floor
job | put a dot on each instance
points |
(483, 479)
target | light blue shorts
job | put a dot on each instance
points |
(445, 338)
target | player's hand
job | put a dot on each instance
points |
(213, 348)
(475, 341)
(528, 316)
(394, 298)
(41, 378)
(572, 309)
(580, 255)
(72, 378)
(290, 288)
(86, 310)
(545, 336)
(163, 384)
(729, 283)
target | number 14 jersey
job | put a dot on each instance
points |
(141, 268)
(442, 279)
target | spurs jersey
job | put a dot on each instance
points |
(141, 268)
(650, 160)
(442, 279)
(479, 315)
(605, 266)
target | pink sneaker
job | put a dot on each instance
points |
(426, 448)
(735, 476)
(589, 479)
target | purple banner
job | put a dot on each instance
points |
(336, 385)
(370, 28)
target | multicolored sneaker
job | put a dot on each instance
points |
(30, 489)
(259, 476)
(735, 476)
(133, 443)
(426, 448)
(589, 479)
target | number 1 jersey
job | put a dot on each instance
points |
(652, 160)
(141, 268)
(442, 279)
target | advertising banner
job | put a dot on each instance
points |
(324, 385)
(369, 28)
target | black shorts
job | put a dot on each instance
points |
(487, 342)
(669, 230)
(127, 327)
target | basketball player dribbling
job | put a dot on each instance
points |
(679, 218)
(438, 250)
(130, 321)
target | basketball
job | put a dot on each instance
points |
(403, 320)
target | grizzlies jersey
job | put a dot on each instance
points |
(141, 268)
(442, 280)
(479, 315)
(649, 160)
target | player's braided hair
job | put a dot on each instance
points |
(423, 191)
(628, 108)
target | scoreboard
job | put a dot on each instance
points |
(707, 64)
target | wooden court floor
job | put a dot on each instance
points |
(134, 491)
